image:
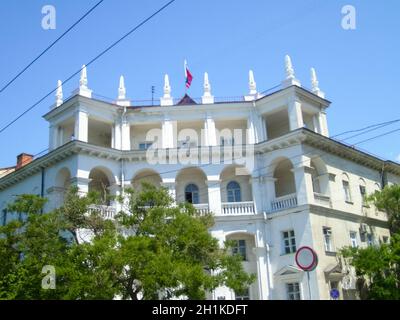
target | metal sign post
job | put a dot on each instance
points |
(307, 260)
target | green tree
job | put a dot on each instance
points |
(157, 250)
(378, 267)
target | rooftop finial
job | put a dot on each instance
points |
(166, 100)
(290, 77)
(252, 83)
(207, 97)
(83, 81)
(315, 84)
(121, 89)
(59, 94)
(83, 89)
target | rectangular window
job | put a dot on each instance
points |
(363, 193)
(289, 241)
(346, 190)
(243, 295)
(145, 145)
(353, 239)
(385, 239)
(293, 291)
(239, 247)
(370, 239)
(327, 239)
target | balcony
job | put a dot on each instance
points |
(238, 208)
(106, 212)
(202, 208)
(284, 202)
(321, 199)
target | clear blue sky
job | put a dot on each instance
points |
(358, 69)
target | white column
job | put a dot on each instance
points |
(315, 120)
(323, 124)
(257, 131)
(53, 137)
(295, 115)
(167, 134)
(81, 125)
(81, 183)
(214, 195)
(210, 134)
(270, 196)
(303, 181)
(256, 188)
(126, 135)
(117, 135)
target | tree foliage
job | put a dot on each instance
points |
(378, 267)
(153, 249)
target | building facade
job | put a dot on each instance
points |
(263, 164)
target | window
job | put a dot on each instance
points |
(145, 145)
(192, 193)
(293, 291)
(327, 239)
(346, 189)
(353, 239)
(239, 247)
(245, 295)
(370, 239)
(385, 239)
(289, 242)
(363, 192)
(234, 193)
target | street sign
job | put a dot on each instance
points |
(306, 258)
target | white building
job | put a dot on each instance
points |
(263, 164)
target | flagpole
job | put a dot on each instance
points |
(185, 68)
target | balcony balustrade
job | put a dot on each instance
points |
(284, 202)
(238, 208)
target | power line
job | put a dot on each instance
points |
(89, 63)
(367, 127)
(50, 46)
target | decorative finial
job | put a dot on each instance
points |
(290, 79)
(167, 87)
(207, 98)
(59, 94)
(289, 68)
(252, 83)
(121, 89)
(83, 81)
(166, 100)
(315, 84)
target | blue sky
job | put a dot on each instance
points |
(357, 69)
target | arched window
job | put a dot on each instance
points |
(234, 193)
(192, 193)
(346, 187)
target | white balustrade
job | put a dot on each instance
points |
(202, 208)
(285, 202)
(238, 208)
(106, 211)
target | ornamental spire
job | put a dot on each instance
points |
(121, 89)
(290, 77)
(59, 94)
(166, 100)
(315, 84)
(207, 98)
(83, 89)
(252, 83)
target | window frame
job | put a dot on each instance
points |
(328, 245)
(240, 249)
(291, 236)
(353, 240)
(233, 192)
(195, 193)
(293, 290)
(346, 189)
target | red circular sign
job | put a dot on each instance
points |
(306, 258)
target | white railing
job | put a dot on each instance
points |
(285, 202)
(106, 211)
(202, 208)
(237, 208)
(322, 199)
